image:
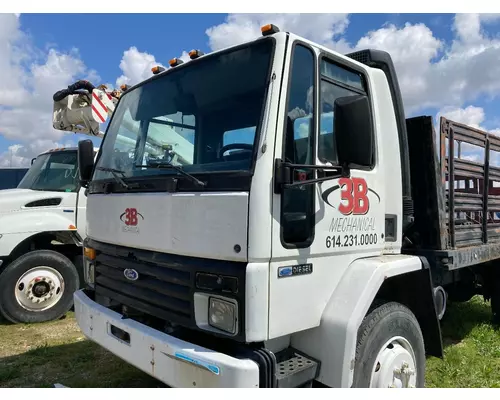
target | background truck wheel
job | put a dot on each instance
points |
(38, 287)
(390, 350)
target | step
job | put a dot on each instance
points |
(294, 369)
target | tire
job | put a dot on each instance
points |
(44, 302)
(383, 323)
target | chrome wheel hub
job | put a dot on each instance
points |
(39, 288)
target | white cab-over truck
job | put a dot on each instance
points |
(311, 238)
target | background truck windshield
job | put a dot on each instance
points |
(203, 116)
(57, 172)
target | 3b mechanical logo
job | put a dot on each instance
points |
(131, 219)
(354, 198)
(355, 226)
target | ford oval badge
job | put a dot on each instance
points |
(131, 274)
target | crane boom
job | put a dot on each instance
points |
(81, 108)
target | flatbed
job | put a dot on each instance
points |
(456, 226)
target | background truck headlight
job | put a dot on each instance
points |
(222, 315)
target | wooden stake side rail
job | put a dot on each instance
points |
(471, 206)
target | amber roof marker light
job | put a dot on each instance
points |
(193, 54)
(174, 62)
(269, 29)
(157, 69)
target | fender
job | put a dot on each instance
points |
(334, 341)
(17, 227)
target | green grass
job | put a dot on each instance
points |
(41, 355)
(472, 349)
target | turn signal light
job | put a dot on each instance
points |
(89, 253)
(124, 87)
(269, 29)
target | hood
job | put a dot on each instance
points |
(16, 199)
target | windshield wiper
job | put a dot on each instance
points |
(115, 173)
(176, 168)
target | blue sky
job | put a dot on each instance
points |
(432, 52)
(142, 31)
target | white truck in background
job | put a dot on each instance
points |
(42, 221)
(312, 236)
(42, 226)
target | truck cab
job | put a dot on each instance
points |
(272, 255)
(42, 226)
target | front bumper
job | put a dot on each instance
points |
(173, 361)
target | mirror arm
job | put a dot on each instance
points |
(340, 174)
(283, 177)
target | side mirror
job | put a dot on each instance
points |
(85, 160)
(353, 131)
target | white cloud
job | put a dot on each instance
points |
(12, 91)
(475, 117)
(433, 73)
(471, 115)
(321, 28)
(19, 155)
(412, 49)
(136, 66)
(28, 79)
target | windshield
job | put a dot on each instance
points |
(57, 172)
(203, 117)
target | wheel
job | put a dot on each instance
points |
(38, 287)
(390, 349)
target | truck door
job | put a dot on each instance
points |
(318, 229)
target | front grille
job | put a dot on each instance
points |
(161, 290)
(166, 283)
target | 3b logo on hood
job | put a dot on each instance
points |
(130, 217)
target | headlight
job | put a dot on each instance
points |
(222, 315)
(88, 266)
